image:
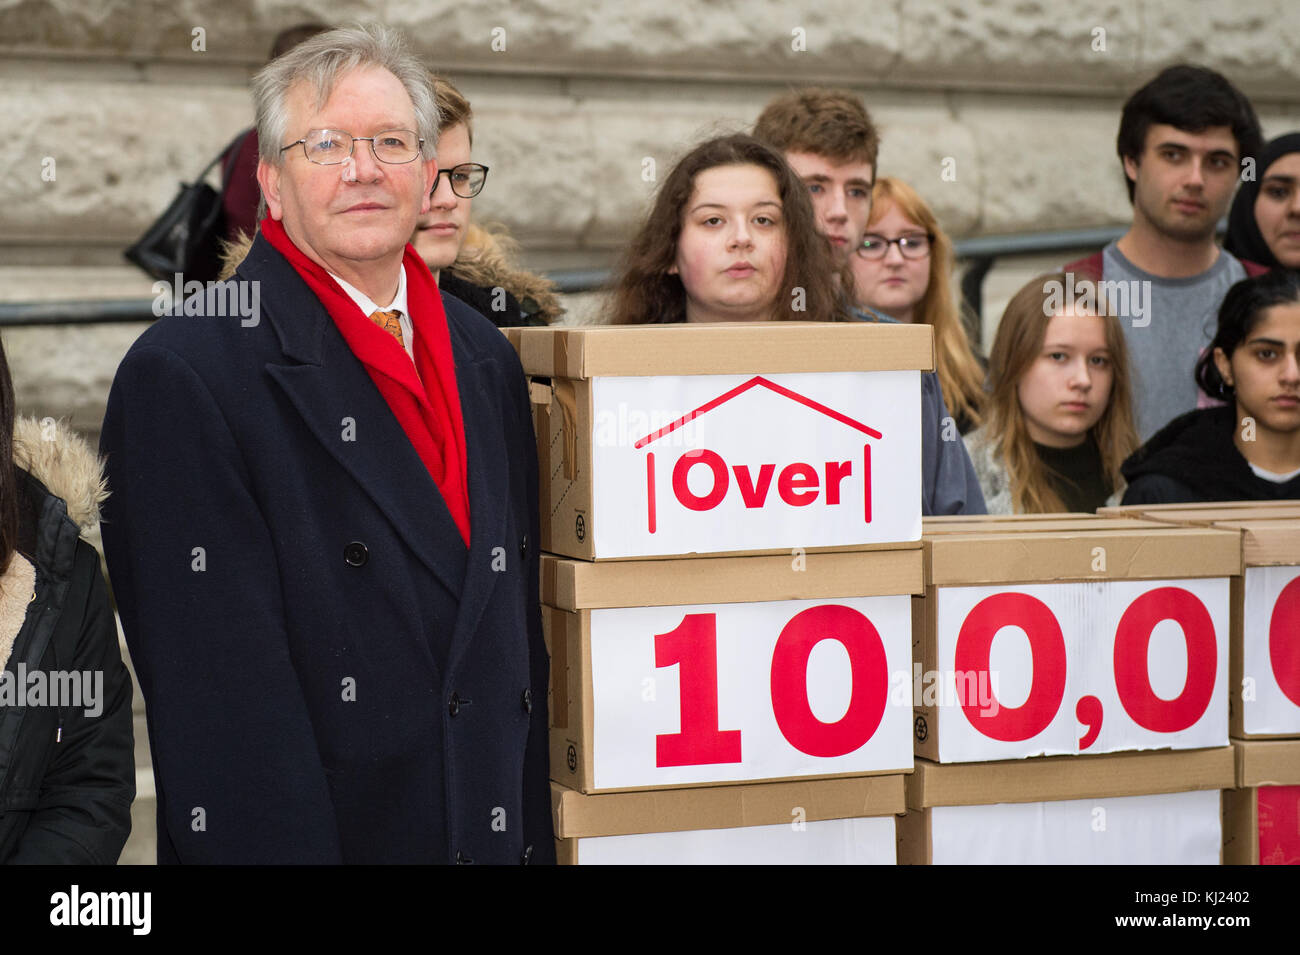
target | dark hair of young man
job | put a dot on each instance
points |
(1242, 310)
(826, 122)
(1190, 98)
(645, 293)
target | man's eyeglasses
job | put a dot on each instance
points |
(466, 179)
(329, 147)
(914, 245)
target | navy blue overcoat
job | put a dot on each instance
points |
(329, 675)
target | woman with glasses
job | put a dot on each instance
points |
(468, 261)
(903, 270)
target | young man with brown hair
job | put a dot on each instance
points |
(829, 140)
(1184, 140)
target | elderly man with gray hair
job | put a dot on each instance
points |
(322, 534)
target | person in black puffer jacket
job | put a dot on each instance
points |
(67, 763)
(1248, 450)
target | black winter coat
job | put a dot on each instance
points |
(330, 676)
(67, 779)
(1193, 459)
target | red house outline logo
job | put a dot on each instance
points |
(754, 491)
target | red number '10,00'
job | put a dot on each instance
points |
(1047, 649)
(694, 646)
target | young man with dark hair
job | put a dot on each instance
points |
(829, 140)
(1184, 138)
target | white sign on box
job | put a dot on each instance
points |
(714, 463)
(1161, 829)
(869, 841)
(1096, 667)
(1270, 692)
(748, 691)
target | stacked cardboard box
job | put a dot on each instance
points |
(731, 521)
(1262, 816)
(1072, 697)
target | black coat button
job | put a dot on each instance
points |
(527, 856)
(462, 859)
(356, 554)
(453, 706)
(523, 547)
(528, 701)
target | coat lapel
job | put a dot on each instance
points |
(351, 420)
(489, 497)
(332, 392)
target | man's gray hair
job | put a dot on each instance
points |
(320, 62)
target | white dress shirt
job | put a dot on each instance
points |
(368, 308)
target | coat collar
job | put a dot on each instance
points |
(17, 588)
(330, 388)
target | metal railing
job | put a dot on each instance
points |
(977, 255)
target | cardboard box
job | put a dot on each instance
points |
(1264, 665)
(1261, 817)
(1119, 809)
(825, 821)
(739, 438)
(729, 670)
(1076, 588)
(989, 523)
(1206, 513)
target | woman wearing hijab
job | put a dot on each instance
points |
(1264, 224)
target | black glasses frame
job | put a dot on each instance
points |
(437, 180)
(929, 244)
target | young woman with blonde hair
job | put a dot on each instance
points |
(904, 270)
(1059, 415)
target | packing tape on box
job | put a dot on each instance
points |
(559, 708)
(566, 399)
(560, 356)
(538, 393)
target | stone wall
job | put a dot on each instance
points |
(110, 105)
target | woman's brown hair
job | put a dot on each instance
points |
(960, 374)
(645, 293)
(1016, 346)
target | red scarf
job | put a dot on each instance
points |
(429, 413)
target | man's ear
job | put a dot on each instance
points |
(1222, 363)
(1131, 168)
(430, 170)
(268, 177)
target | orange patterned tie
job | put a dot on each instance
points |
(388, 321)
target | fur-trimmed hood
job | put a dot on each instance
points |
(66, 464)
